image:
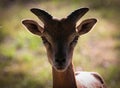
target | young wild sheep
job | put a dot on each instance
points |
(60, 37)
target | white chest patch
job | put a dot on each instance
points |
(87, 80)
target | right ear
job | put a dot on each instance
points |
(33, 27)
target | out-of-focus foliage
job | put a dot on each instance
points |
(23, 61)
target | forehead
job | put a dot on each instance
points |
(60, 29)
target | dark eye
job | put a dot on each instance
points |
(74, 40)
(44, 40)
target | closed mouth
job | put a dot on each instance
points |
(61, 68)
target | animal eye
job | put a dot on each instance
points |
(74, 40)
(44, 40)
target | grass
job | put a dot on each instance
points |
(23, 60)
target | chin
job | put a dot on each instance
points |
(60, 70)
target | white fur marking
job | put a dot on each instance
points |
(87, 80)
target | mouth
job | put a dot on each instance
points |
(60, 68)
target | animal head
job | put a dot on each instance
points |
(59, 36)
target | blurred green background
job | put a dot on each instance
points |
(23, 61)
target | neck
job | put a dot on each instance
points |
(64, 79)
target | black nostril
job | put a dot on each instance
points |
(60, 60)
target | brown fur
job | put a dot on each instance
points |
(60, 38)
(97, 76)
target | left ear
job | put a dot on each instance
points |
(33, 27)
(86, 26)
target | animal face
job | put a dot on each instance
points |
(60, 41)
(59, 36)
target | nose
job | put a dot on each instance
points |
(60, 55)
(60, 61)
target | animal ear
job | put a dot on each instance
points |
(33, 27)
(86, 26)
